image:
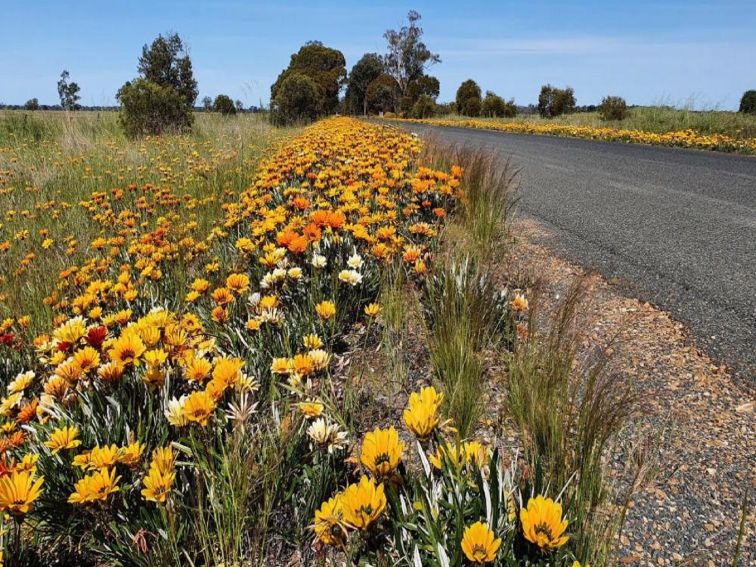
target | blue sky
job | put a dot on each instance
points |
(649, 51)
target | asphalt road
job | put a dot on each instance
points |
(673, 227)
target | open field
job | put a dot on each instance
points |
(712, 130)
(297, 360)
(74, 192)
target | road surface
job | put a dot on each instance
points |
(673, 227)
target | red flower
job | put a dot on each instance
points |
(96, 336)
(7, 339)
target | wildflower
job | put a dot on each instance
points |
(227, 371)
(318, 262)
(311, 409)
(157, 485)
(469, 452)
(542, 523)
(127, 349)
(519, 303)
(22, 381)
(372, 310)
(328, 520)
(18, 491)
(326, 310)
(382, 452)
(351, 277)
(421, 417)
(355, 261)
(363, 503)
(319, 358)
(130, 454)
(327, 435)
(312, 341)
(174, 412)
(480, 544)
(97, 486)
(198, 407)
(103, 457)
(63, 438)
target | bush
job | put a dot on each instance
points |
(748, 102)
(224, 105)
(31, 104)
(297, 99)
(425, 107)
(496, 107)
(150, 109)
(613, 108)
(555, 102)
(468, 98)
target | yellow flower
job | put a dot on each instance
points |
(103, 457)
(97, 486)
(71, 331)
(373, 310)
(480, 544)
(311, 409)
(157, 485)
(519, 303)
(63, 438)
(18, 491)
(227, 371)
(328, 522)
(163, 459)
(363, 503)
(421, 417)
(382, 452)
(198, 407)
(326, 310)
(470, 452)
(130, 454)
(87, 358)
(312, 341)
(127, 349)
(542, 523)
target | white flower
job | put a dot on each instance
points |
(254, 299)
(355, 261)
(279, 274)
(318, 261)
(21, 382)
(174, 412)
(326, 434)
(352, 277)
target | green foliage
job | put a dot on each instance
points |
(613, 108)
(324, 67)
(149, 109)
(68, 92)
(364, 72)
(166, 63)
(383, 94)
(407, 59)
(748, 102)
(161, 100)
(468, 98)
(496, 107)
(425, 107)
(207, 103)
(297, 100)
(224, 105)
(31, 104)
(555, 102)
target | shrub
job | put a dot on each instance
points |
(468, 98)
(494, 106)
(555, 102)
(149, 109)
(748, 102)
(32, 104)
(613, 108)
(224, 105)
(425, 107)
(297, 99)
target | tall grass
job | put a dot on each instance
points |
(569, 412)
(466, 315)
(55, 161)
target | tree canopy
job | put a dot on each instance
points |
(407, 58)
(68, 92)
(364, 72)
(324, 66)
(468, 98)
(166, 63)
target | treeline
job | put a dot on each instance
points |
(163, 96)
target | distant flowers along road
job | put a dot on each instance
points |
(678, 139)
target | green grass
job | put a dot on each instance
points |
(52, 162)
